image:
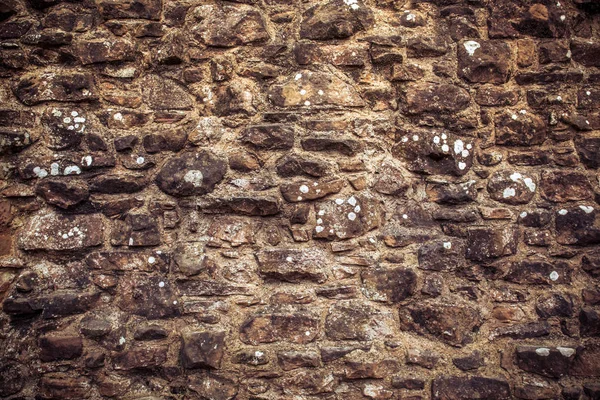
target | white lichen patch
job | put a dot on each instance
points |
(566, 351)
(554, 276)
(471, 46)
(72, 169)
(40, 172)
(508, 192)
(304, 189)
(543, 351)
(151, 260)
(587, 209)
(87, 161)
(194, 177)
(351, 216)
(447, 245)
(563, 212)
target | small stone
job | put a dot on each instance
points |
(268, 327)
(511, 187)
(292, 265)
(202, 349)
(269, 136)
(389, 285)
(307, 190)
(354, 320)
(190, 174)
(60, 347)
(564, 186)
(338, 222)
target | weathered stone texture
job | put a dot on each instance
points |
(275, 199)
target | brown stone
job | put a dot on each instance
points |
(518, 129)
(577, 225)
(389, 285)
(150, 297)
(442, 255)
(202, 349)
(60, 347)
(269, 136)
(563, 186)
(292, 265)
(511, 187)
(141, 356)
(51, 231)
(484, 61)
(553, 362)
(452, 193)
(191, 174)
(435, 98)
(103, 50)
(13, 141)
(310, 190)
(164, 94)
(476, 387)
(452, 324)
(146, 9)
(288, 326)
(487, 243)
(63, 194)
(345, 218)
(48, 86)
(335, 20)
(355, 320)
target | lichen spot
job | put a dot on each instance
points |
(151, 260)
(553, 276)
(543, 351)
(508, 192)
(351, 216)
(471, 46)
(161, 284)
(304, 189)
(194, 177)
(447, 245)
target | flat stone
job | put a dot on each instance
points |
(491, 95)
(310, 190)
(452, 193)
(442, 255)
(435, 98)
(355, 320)
(54, 305)
(202, 349)
(56, 232)
(99, 51)
(242, 204)
(518, 129)
(42, 86)
(346, 218)
(11, 378)
(484, 243)
(288, 326)
(63, 194)
(391, 181)
(135, 230)
(191, 174)
(269, 136)
(588, 149)
(476, 387)
(63, 385)
(554, 305)
(521, 331)
(434, 152)
(564, 186)
(586, 53)
(295, 165)
(118, 183)
(343, 146)
(388, 285)
(307, 88)
(484, 61)
(128, 261)
(470, 362)
(586, 361)
(290, 360)
(60, 347)
(292, 265)
(538, 271)
(452, 324)
(342, 55)
(589, 322)
(203, 287)
(511, 187)
(335, 20)
(553, 362)
(227, 25)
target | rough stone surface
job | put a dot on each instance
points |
(273, 200)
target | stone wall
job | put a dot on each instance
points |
(275, 199)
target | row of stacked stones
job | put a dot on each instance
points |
(276, 199)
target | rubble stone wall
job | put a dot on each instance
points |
(276, 199)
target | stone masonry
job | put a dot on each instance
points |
(299, 199)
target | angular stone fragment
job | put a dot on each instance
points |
(191, 174)
(39, 87)
(210, 288)
(521, 331)
(243, 204)
(118, 183)
(310, 190)
(442, 255)
(103, 50)
(590, 263)
(435, 98)
(64, 127)
(586, 361)
(578, 225)
(164, 94)
(484, 244)
(136, 230)
(227, 25)
(491, 95)
(335, 20)
(13, 141)
(434, 152)
(128, 261)
(141, 356)
(12, 378)
(588, 149)
(539, 271)
(62, 385)
(389, 285)
(57, 232)
(470, 362)
(554, 305)
(355, 320)
(347, 147)
(63, 194)
(202, 349)
(269, 136)
(307, 382)
(250, 357)
(589, 321)
(143, 9)
(96, 325)
(484, 61)
(553, 362)
(518, 129)
(150, 297)
(293, 165)
(346, 218)
(423, 358)
(427, 46)
(476, 387)
(452, 324)
(450, 193)
(306, 88)
(345, 55)
(391, 181)
(289, 360)
(563, 186)
(587, 53)
(292, 326)
(292, 265)
(60, 347)
(511, 187)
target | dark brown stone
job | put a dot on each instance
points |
(269, 136)
(484, 61)
(288, 326)
(51, 231)
(354, 320)
(103, 50)
(538, 271)
(452, 324)
(141, 356)
(435, 98)
(586, 53)
(347, 147)
(292, 265)
(202, 349)
(588, 149)
(60, 347)
(150, 297)
(476, 387)
(63, 194)
(511, 187)
(48, 86)
(389, 285)
(554, 305)
(335, 20)
(470, 362)
(487, 243)
(589, 321)
(295, 165)
(13, 141)
(553, 362)
(448, 193)
(342, 218)
(442, 255)
(518, 129)
(191, 174)
(563, 186)
(577, 226)
(290, 360)
(310, 190)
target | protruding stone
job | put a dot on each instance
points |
(578, 225)
(310, 190)
(452, 324)
(519, 129)
(103, 50)
(389, 285)
(484, 244)
(13, 140)
(151, 297)
(202, 349)
(476, 387)
(63, 194)
(484, 61)
(143, 9)
(39, 87)
(164, 94)
(141, 356)
(191, 174)
(564, 186)
(435, 98)
(335, 19)
(442, 255)
(553, 362)
(60, 347)
(290, 326)
(449, 193)
(511, 187)
(269, 136)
